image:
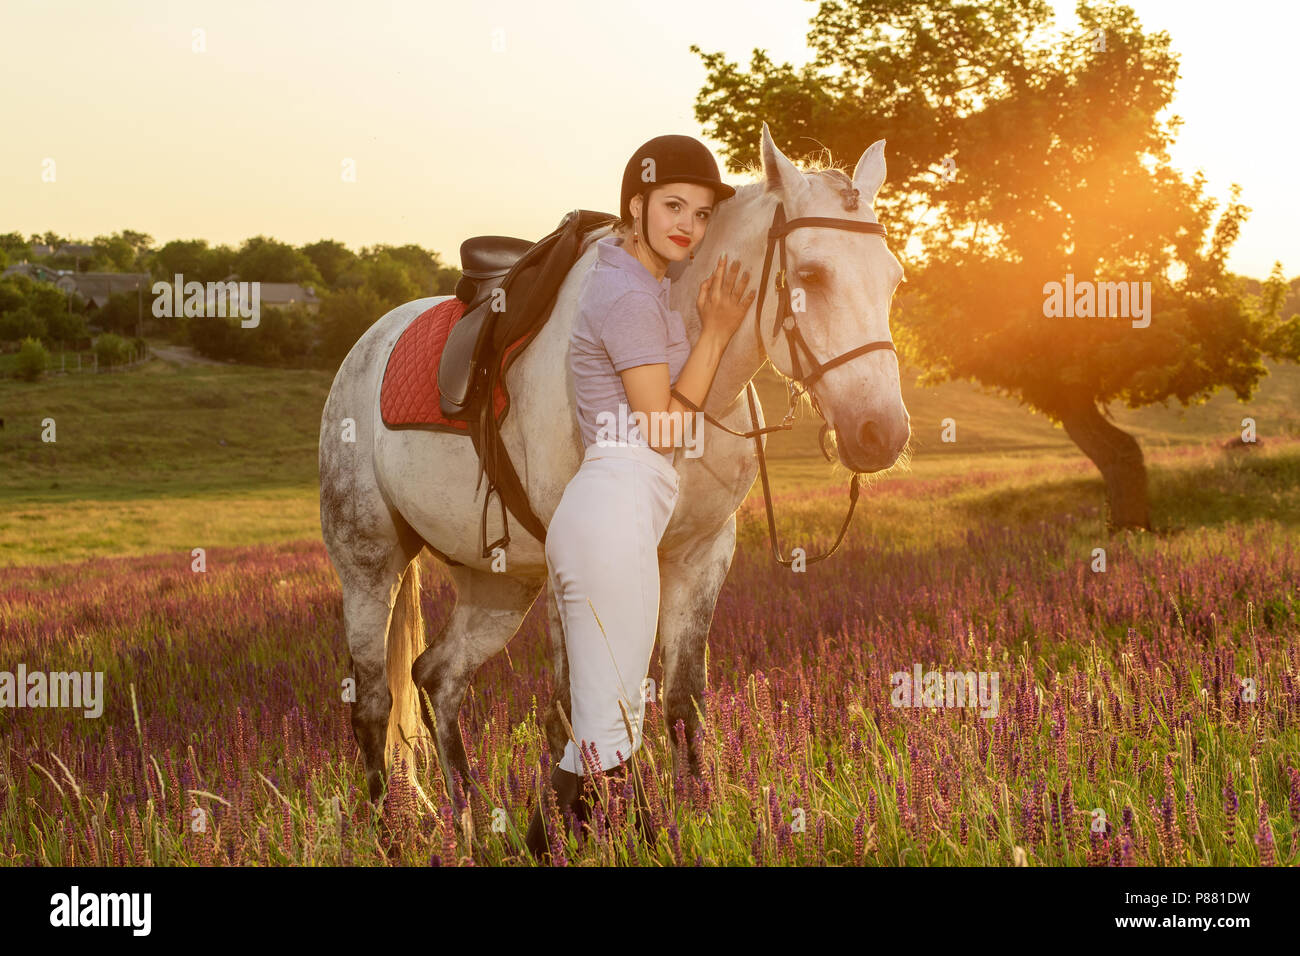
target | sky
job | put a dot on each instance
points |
(483, 117)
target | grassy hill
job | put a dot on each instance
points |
(988, 423)
(167, 456)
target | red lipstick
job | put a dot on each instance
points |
(680, 241)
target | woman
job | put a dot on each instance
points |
(627, 350)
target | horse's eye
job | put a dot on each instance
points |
(810, 277)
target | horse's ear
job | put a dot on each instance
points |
(869, 174)
(778, 172)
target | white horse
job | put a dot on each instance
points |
(386, 494)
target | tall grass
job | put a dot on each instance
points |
(1126, 732)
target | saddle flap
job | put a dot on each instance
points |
(459, 361)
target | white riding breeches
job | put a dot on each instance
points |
(602, 546)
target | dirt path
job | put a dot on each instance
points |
(182, 355)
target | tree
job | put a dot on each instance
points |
(284, 336)
(38, 309)
(216, 337)
(66, 327)
(21, 323)
(185, 257)
(190, 258)
(13, 292)
(125, 251)
(388, 279)
(122, 312)
(218, 263)
(425, 268)
(15, 247)
(47, 300)
(141, 242)
(267, 260)
(344, 318)
(112, 254)
(1040, 156)
(335, 262)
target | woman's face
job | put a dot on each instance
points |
(676, 219)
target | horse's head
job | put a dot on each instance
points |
(840, 284)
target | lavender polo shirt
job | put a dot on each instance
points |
(623, 321)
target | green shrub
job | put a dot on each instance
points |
(112, 349)
(32, 359)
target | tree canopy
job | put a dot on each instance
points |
(1022, 160)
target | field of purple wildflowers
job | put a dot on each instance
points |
(1147, 715)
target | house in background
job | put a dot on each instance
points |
(281, 295)
(284, 294)
(76, 251)
(96, 287)
(35, 271)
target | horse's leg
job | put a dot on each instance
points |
(371, 550)
(556, 736)
(690, 580)
(490, 606)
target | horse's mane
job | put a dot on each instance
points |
(819, 164)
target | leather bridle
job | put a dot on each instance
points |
(786, 319)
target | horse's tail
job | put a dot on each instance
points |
(405, 644)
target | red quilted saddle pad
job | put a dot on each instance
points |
(408, 397)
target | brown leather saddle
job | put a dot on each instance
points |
(485, 262)
(509, 286)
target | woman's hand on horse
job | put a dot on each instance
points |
(723, 301)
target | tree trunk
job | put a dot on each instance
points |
(1117, 456)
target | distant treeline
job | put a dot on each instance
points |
(353, 290)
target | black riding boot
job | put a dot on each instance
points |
(644, 820)
(566, 790)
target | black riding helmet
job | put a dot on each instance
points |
(677, 159)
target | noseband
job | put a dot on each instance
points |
(786, 319)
